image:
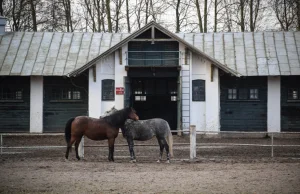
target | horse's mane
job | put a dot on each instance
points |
(118, 117)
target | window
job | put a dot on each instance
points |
(253, 94)
(232, 94)
(7, 94)
(293, 94)
(65, 94)
(198, 93)
(242, 94)
(108, 87)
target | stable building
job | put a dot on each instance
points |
(216, 81)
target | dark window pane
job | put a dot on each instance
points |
(11, 94)
(293, 94)
(108, 86)
(243, 94)
(253, 93)
(198, 93)
(232, 94)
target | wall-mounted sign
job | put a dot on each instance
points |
(119, 91)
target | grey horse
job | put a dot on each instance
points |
(144, 130)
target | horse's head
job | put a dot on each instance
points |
(132, 114)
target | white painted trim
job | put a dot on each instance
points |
(274, 104)
(36, 104)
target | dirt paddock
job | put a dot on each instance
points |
(218, 168)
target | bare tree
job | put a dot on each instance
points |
(1, 8)
(109, 23)
(199, 16)
(68, 15)
(128, 17)
(286, 13)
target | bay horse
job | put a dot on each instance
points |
(97, 129)
(143, 130)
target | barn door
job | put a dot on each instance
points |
(127, 97)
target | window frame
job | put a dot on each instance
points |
(112, 89)
(293, 99)
(198, 96)
(246, 92)
(61, 91)
(12, 94)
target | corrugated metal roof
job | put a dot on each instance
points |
(249, 54)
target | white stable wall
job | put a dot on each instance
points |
(205, 115)
(105, 69)
(274, 105)
(120, 73)
(212, 99)
(198, 108)
(36, 104)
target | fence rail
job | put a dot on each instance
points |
(192, 133)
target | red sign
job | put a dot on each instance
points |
(119, 90)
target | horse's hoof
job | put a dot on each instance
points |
(78, 158)
(133, 161)
(158, 161)
(168, 162)
(66, 160)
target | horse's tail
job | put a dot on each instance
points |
(68, 130)
(170, 141)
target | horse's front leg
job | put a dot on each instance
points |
(131, 149)
(111, 148)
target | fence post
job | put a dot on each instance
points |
(81, 148)
(272, 149)
(192, 142)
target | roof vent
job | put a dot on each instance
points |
(2, 25)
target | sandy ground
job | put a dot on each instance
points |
(218, 169)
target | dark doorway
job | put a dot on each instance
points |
(155, 98)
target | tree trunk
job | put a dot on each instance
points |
(242, 6)
(205, 16)
(33, 16)
(152, 10)
(298, 15)
(1, 7)
(109, 24)
(146, 11)
(177, 16)
(199, 16)
(127, 16)
(251, 16)
(216, 16)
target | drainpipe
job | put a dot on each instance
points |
(179, 106)
(2, 25)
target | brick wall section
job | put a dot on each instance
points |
(290, 110)
(14, 115)
(243, 115)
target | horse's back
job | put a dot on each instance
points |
(146, 129)
(92, 128)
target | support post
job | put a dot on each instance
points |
(179, 106)
(192, 142)
(81, 148)
(272, 147)
(1, 143)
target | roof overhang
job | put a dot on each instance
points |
(140, 31)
